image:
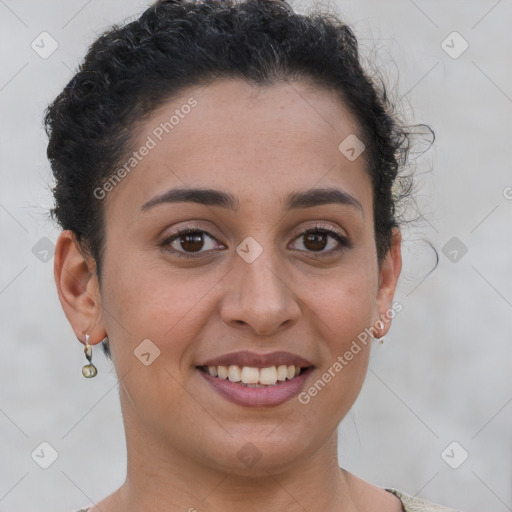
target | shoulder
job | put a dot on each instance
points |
(413, 504)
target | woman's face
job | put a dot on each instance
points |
(253, 281)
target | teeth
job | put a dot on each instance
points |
(254, 377)
(234, 373)
(222, 371)
(282, 372)
(250, 375)
(268, 375)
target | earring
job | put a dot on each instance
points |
(380, 324)
(89, 370)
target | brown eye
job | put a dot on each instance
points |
(316, 240)
(189, 242)
(192, 243)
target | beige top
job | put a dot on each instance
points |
(413, 504)
(409, 504)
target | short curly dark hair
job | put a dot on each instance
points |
(132, 69)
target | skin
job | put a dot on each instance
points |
(183, 438)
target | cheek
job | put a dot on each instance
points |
(342, 316)
(156, 317)
(151, 301)
(342, 309)
(345, 303)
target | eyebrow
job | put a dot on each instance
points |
(212, 197)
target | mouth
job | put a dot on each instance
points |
(254, 377)
(256, 387)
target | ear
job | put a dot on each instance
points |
(78, 289)
(388, 278)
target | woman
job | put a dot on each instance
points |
(226, 182)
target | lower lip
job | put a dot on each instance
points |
(254, 397)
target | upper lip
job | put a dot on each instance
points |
(255, 360)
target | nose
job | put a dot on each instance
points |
(260, 297)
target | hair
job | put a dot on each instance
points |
(133, 69)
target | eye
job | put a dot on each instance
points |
(189, 240)
(316, 239)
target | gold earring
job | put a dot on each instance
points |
(89, 370)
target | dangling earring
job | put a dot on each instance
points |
(89, 370)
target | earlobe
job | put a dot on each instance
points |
(388, 279)
(77, 287)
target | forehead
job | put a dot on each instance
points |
(258, 142)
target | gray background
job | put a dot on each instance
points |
(443, 374)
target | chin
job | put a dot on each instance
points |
(259, 453)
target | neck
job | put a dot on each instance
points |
(164, 479)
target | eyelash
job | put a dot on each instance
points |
(342, 240)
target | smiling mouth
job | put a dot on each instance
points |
(252, 377)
